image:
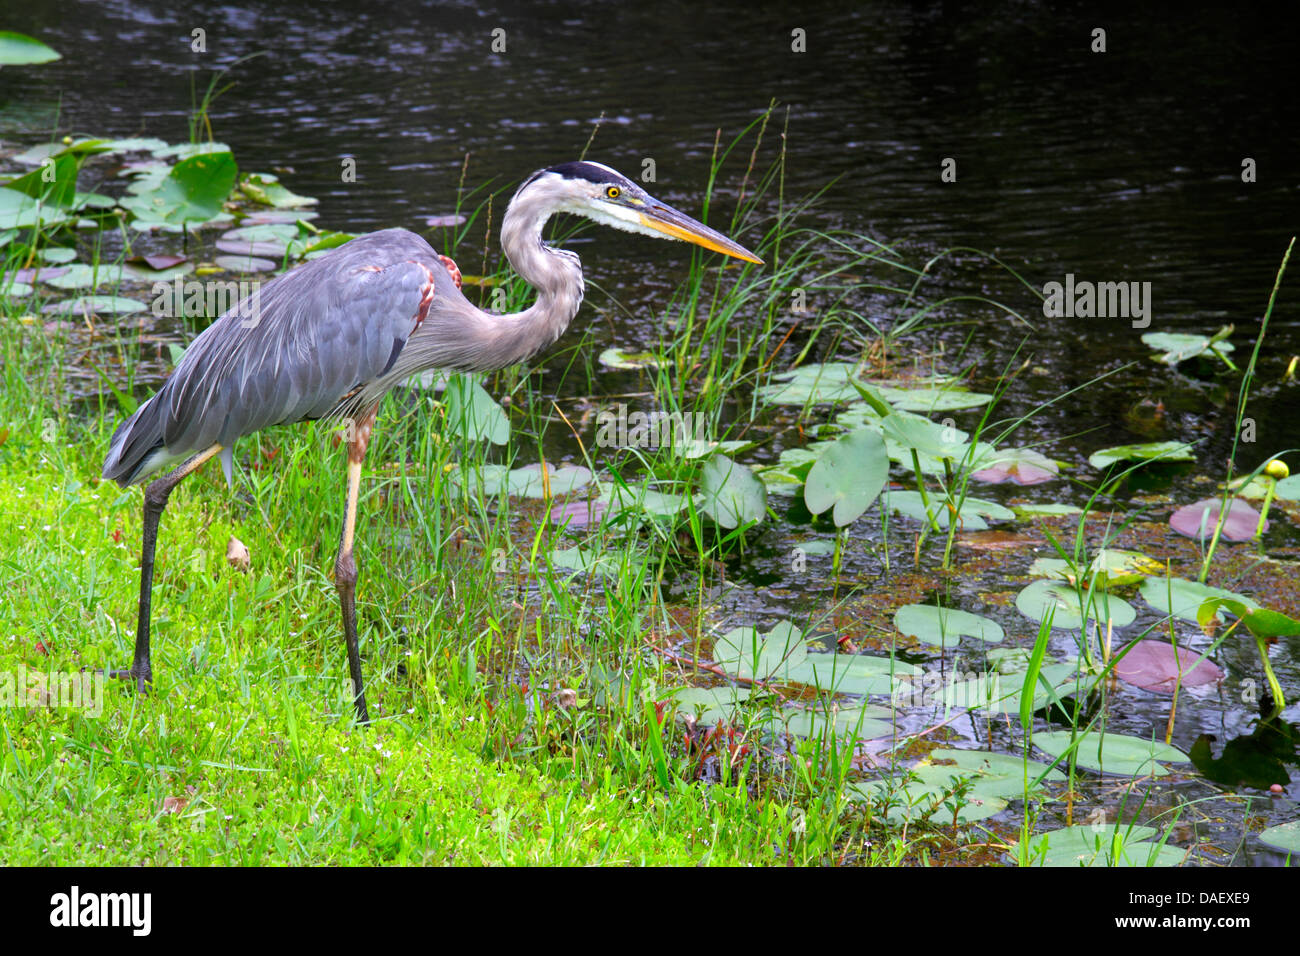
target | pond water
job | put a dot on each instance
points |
(1116, 166)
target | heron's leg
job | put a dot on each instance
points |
(155, 500)
(345, 566)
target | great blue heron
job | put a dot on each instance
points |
(332, 337)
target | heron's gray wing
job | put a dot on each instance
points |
(296, 348)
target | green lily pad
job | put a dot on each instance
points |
(812, 385)
(472, 413)
(848, 723)
(1113, 753)
(191, 194)
(266, 189)
(974, 511)
(1284, 837)
(97, 304)
(733, 496)
(1034, 601)
(1163, 451)
(621, 359)
(941, 625)
(1183, 598)
(1087, 845)
(710, 704)
(1175, 347)
(933, 399)
(848, 477)
(18, 49)
(1047, 509)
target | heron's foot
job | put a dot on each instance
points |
(143, 679)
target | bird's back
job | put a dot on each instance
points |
(296, 349)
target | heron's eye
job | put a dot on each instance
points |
(613, 192)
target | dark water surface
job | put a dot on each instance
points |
(1122, 166)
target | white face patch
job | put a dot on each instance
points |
(619, 217)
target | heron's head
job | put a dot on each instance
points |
(606, 196)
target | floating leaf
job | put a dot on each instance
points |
(264, 188)
(1109, 845)
(1183, 598)
(1154, 665)
(812, 385)
(733, 496)
(586, 561)
(621, 359)
(1152, 451)
(1112, 753)
(1038, 597)
(18, 49)
(96, 304)
(1024, 466)
(848, 477)
(448, 221)
(847, 723)
(1048, 509)
(710, 705)
(472, 413)
(1178, 347)
(941, 625)
(974, 511)
(192, 193)
(1284, 837)
(933, 399)
(246, 264)
(1289, 488)
(1198, 520)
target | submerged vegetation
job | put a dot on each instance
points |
(771, 586)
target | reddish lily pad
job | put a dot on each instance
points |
(1024, 466)
(157, 263)
(1198, 520)
(1154, 665)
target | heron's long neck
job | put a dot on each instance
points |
(555, 274)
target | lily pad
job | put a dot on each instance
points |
(933, 399)
(246, 263)
(1199, 520)
(849, 477)
(1155, 666)
(733, 496)
(18, 49)
(472, 413)
(1113, 753)
(621, 359)
(1284, 837)
(1175, 347)
(974, 511)
(944, 626)
(96, 304)
(1038, 597)
(191, 194)
(1162, 451)
(1024, 466)
(1183, 598)
(1109, 845)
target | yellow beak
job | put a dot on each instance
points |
(670, 222)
